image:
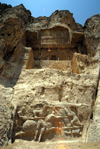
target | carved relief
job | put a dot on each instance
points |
(54, 36)
(48, 122)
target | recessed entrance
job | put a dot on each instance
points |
(53, 57)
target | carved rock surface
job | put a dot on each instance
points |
(28, 126)
(70, 97)
(52, 97)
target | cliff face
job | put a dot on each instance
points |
(12, 28)
(49, 76)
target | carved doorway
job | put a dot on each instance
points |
(53, 57)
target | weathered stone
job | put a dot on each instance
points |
(29, 126)
(12, 28)
(3, 7)
(49, 75)
(59, 143)
(92, 33)
(79, 27)
(6, 119)
(92, 25)
(64, 17)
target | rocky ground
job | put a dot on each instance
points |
(54, 145)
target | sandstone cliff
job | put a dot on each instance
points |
(49, 76)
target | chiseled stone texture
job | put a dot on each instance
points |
(61, 91)
(45, 104)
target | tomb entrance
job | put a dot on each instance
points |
(57, 43)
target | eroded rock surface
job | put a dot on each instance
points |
(92, 33)
(49, 76)
(12, 28)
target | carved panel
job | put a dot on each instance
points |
(46, 121)
(54, 36)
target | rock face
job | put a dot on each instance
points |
(12, 28)
(49, 76)
(92, 32)
(6, 120)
